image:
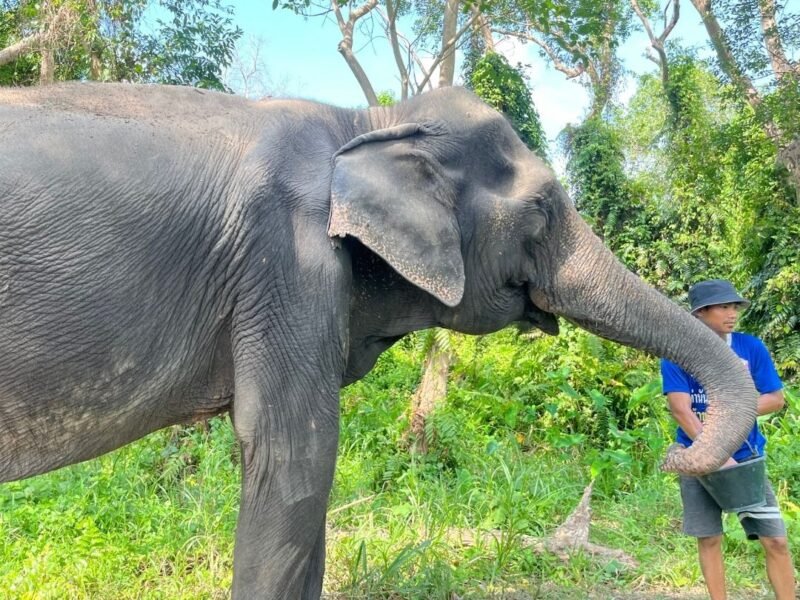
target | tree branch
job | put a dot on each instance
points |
(772, 40)
(391, 25)
(726, 59)
(56, 25)
(346, 46)
(483, 27)
(413, 57)
(570, 72)
(676, 11)
(25, 45)
(731, 68)
(657, 43)
(442, 55)
(339, 18)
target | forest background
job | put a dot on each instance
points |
(459, 456)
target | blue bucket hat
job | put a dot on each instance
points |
(714, 291)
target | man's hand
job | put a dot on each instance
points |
(729, 463)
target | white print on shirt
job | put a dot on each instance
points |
(699, 402)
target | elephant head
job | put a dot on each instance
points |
(479, 233)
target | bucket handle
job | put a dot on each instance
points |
(753, 452)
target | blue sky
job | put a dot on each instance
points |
(301, 58)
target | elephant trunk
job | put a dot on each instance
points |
(594, 290)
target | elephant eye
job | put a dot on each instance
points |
(535, 219)
(505, 168)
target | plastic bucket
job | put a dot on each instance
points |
(737, 488)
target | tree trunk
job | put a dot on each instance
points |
(789, 157)
(431, 391)
(47, 68)
(90, 36)
(447, 69)
(359, 73)
(726, 59)
(96, 67)
(483, 27)
(56, 28)
(772, 40)
(657, 43)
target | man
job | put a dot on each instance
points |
(717, 304)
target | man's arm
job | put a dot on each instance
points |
(680, 405)
(765, 376)
(770, 402)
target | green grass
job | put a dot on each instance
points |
(511, 451)
(152, 520)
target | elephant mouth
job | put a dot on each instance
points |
(539, 318)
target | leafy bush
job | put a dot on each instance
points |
(504, 87)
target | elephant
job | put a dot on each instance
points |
(168, 254)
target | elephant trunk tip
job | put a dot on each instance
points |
(688, 461)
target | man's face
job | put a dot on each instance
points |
(721, 318)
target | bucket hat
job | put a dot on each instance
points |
(714, 291)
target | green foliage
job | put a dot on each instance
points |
(583, 35)
(775, 312)
(579, 28)
(528, 423)
(24, 69)
(595, 397)
(754, 215)
(387, 98)
(595, 171)
(741, 20)
(192, 45)
(505, 88)
(710, 201)
(165, 41)
(782, 107)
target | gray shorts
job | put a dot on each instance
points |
(702, 516)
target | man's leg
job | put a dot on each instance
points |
(779, 566)
(702, 518)
(765, 524)
(709, 549)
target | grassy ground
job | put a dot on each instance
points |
(156, 520)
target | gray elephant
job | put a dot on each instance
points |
(168, 254)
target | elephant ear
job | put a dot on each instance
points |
(396, 199)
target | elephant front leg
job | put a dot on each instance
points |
(288, 441)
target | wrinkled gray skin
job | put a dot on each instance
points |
(168, 254)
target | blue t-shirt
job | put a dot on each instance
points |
(756, 358)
